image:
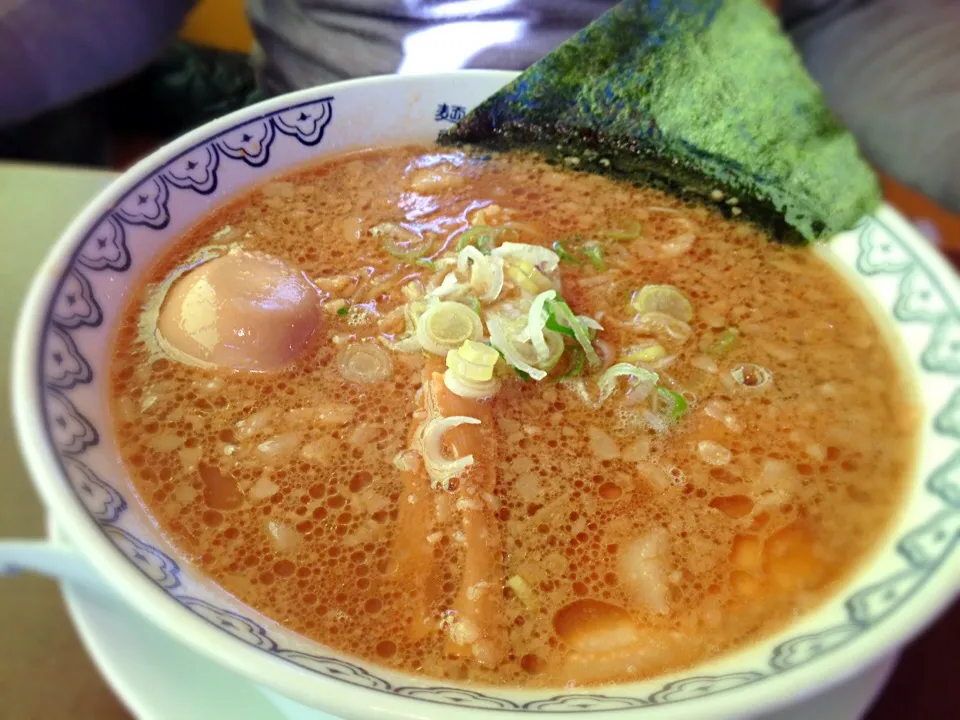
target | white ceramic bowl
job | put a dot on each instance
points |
(61, 355)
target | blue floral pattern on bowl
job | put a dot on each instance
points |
(64, 372)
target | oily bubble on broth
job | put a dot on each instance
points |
(243, 310)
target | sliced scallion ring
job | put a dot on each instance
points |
(541, 257)
(536, 322)
(521, 355)
(564, 316)
(470, 371)
(526, 349)
(502, 342)
(474, 361)
(725, 342)
(594, 253)
(607, 382)
(483, 237)
(428, 440)
(450, 285)
(662, 325)
(676, 404)
(562, 253)
(446, 325)
(647, 352)
(485, 271)
(589, 323)
(665, 299)
(576, 362)
(630, 230)
(553, 324)
(401, 242)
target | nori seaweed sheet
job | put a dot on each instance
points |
(694, 97)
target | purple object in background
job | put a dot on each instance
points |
(53, 52)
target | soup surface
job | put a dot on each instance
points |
(686, 437)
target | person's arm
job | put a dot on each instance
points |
(54, 51)
(890, 69)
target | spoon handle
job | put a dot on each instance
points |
(51, 559)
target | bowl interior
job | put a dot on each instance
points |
(60, 394)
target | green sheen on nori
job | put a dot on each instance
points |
(692, 96)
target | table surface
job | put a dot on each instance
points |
(41, 650)
(44, 671)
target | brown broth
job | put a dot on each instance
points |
(281, 487)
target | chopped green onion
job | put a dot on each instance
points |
(676, 403)
(725, 342)
(402, 242)
(522, 375)
(427, 263)
(473, 302)
(631, 231)
(577, 361)
(594, 253)
(482, 236)
(470, 371)
(445, 325)
(501, 337)
(522, 590)
(564, 316)
(342, 312)
(665, 299)
(646, 353)
(562, 253)
(553, 324)
(607, 382)
(591, 325)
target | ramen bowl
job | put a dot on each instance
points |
(60, 372)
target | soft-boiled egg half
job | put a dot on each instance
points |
(241, 309)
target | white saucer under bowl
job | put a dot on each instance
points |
(154, 676)
(158, 679)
